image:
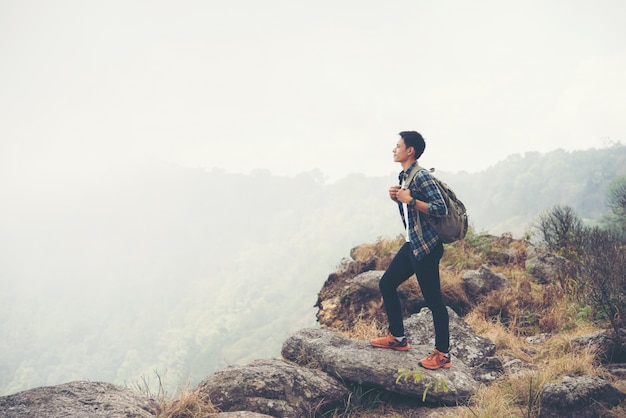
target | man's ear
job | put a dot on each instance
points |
(410, 150)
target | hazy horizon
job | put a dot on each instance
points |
(292, 87)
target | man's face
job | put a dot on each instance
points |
(400, 152)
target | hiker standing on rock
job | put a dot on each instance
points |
(419, 255)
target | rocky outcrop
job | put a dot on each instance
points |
(359, 363)
(342, 299)
(482, 281)
(273, 387)
(78, 399)
(579, 397)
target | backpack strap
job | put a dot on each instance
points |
(407, 183)
(411, 176)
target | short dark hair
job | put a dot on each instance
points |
(415, 140)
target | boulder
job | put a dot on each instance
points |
(482, 281)
(579, 397)
(78, 399)
(273, 387)
(368, 281)
(607, 347)
(357, 362)
(544, 266)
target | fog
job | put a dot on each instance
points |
(118, 120)
(294, 86)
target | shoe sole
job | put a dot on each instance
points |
(443, 366)
(405, 348)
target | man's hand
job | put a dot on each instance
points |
(404, 196)
(393, 192)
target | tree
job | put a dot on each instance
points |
(560, 229)
(616, 200)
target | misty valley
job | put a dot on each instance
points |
(175, 271)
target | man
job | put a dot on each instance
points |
(419, 255)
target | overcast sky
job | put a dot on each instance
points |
(292, 86)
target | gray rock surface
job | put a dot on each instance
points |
(78, 399)
(606, 346)
(579, 397)
(273, 387)
(368, 281)
(482, 281)
(544, 266)
(464, 343)
(358, 362)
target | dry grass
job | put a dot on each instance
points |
(519, 394)
(382, 251)
(189, 404)
(364, 329)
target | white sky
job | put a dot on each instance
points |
(292, 86)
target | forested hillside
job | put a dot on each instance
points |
(509, 195)
(183, 270)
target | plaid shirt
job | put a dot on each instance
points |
(424, 188)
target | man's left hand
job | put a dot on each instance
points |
(404, 196)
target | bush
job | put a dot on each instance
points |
(600, 259)
(603, 271)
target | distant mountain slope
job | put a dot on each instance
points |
(509, 195)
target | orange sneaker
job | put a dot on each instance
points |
(436, 360)
(389, 341)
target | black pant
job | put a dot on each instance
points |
(401, 268)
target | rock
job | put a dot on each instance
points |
(368, 281)
(579, 397)
(273, 387)
(464, 343)
(604, 344)
(343, 301)
(489, 370)
(482, 281)
(78, 399)
(477, 352)
(544, 266)
(358, 362)
(538, 339)
(617, 370)
(516, 366)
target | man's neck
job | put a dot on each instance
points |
(407, 164)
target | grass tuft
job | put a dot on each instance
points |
(189, 404)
